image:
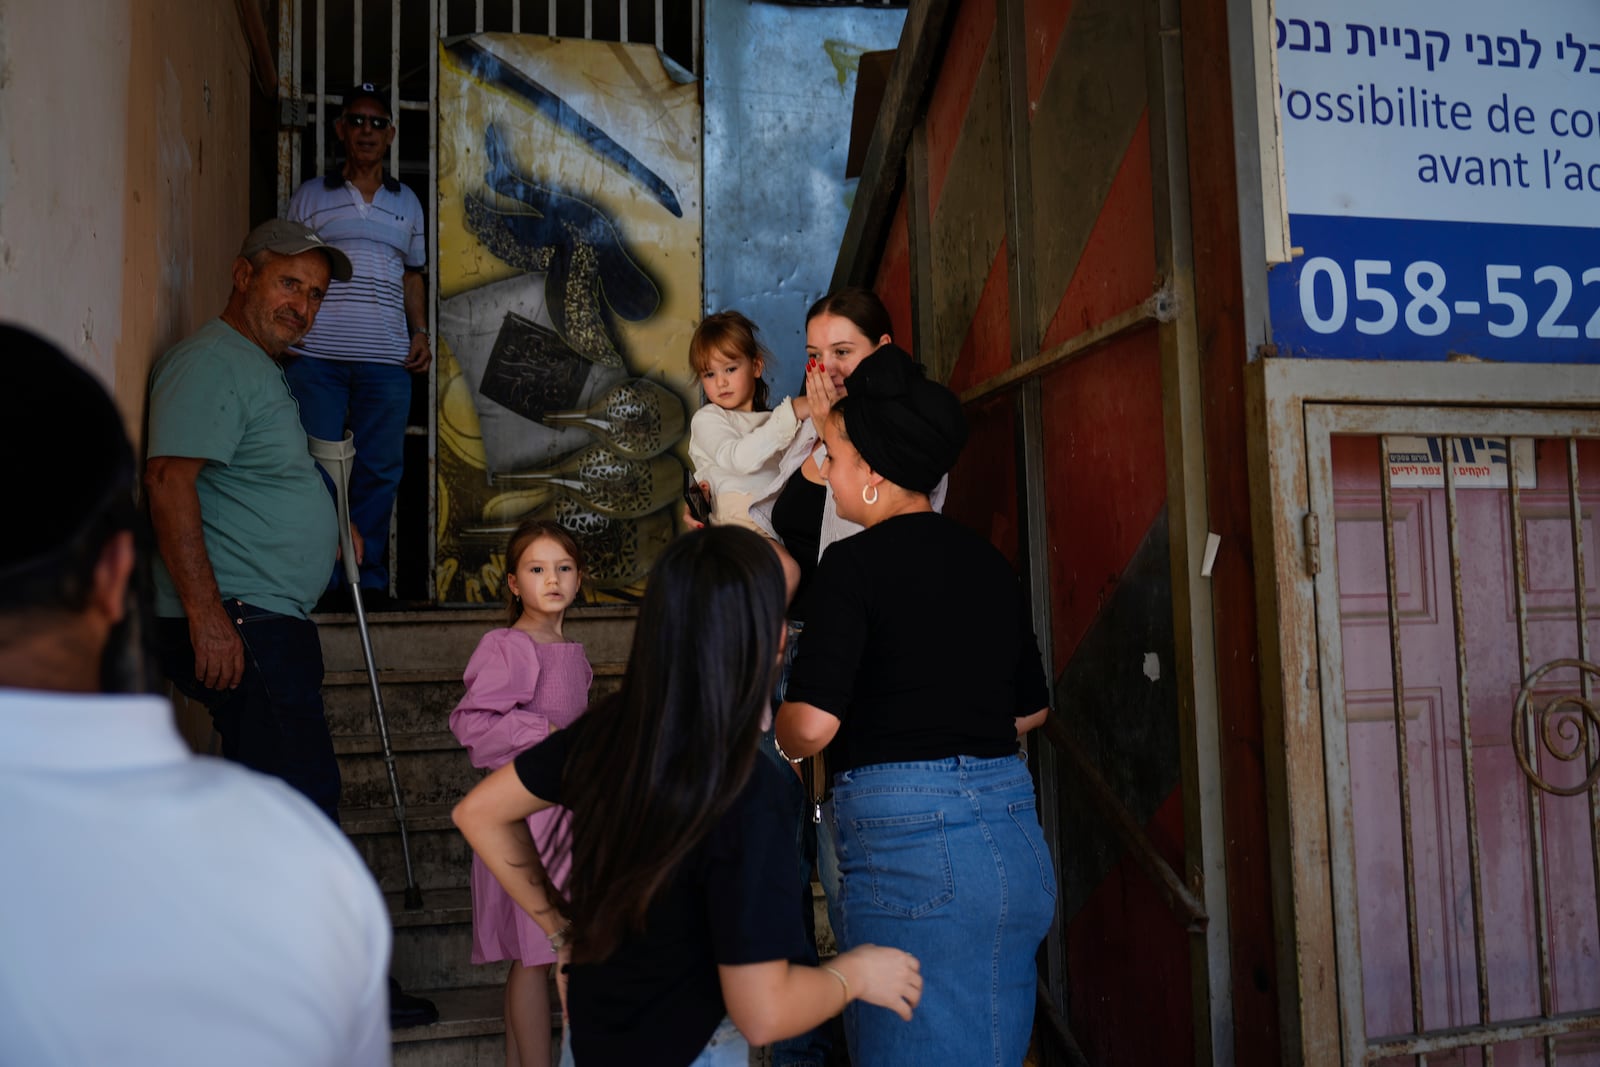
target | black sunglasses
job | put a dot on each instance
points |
(378, 122)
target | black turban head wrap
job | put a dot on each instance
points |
(908, 429)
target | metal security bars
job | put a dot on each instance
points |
(391, 44)
(1464, 841)
(324, 46)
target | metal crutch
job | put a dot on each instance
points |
(335, 457)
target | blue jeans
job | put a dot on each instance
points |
(945, 859)
(273, 721)
(727, 1048)
(828, 864)
(372, 400)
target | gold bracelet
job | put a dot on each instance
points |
(842, 981)
(784, 754)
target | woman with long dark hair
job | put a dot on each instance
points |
(919, 671)
(680, 917)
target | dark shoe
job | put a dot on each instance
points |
(406, 1010)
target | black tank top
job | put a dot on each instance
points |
(797, 519)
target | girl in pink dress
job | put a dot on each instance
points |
(524, 682)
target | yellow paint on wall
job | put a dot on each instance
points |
(625, 91)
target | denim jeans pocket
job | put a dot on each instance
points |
(908, 860)
(1025, 814)
(286, 653)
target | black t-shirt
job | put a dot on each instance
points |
(919, 640)
(658, 998)
(797, 520)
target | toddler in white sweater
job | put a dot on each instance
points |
(735, 443)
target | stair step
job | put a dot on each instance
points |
(432, 770)
(470, 1031)
(359, 822)
(444, 638)
(462, 1013)
(372, 744)
(433, 943)
(415, 701)
(440, 856)
(477, 1050)
(442, 906)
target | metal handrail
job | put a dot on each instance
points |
(1159, 306)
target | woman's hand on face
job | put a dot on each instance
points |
(888, 977)
(820, 392)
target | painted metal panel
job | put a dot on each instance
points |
(1118, 265)
(1106, 477)
(779, 90)
(569, 223)
(954, 82)
(1086, 118)
(1045, 20)
(968, 222)
(893, 283)
(986, 349)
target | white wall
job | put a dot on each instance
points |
(124, 174)
(62, 142)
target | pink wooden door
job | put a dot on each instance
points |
(1500, 932)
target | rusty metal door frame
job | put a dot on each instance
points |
(1290, 403)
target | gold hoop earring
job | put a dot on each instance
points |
(864, 499)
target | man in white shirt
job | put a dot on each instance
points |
(160, 908)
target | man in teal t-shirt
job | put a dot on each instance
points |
(244, 524)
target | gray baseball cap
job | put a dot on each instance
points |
(292, 238)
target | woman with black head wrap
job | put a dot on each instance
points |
(919, 671)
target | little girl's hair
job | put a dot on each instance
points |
(728, 333)
(527, 533)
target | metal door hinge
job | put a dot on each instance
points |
(1313, 545)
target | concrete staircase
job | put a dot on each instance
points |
(420, 657)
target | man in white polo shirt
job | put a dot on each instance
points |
(370, 337)
(160, 907)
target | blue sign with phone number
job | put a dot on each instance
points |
(1362, 288)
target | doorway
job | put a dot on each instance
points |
(1442, 757)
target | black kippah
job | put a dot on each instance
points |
(71, 460)
(908, 429)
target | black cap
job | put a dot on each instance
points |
(368, 91)
(74, 463)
